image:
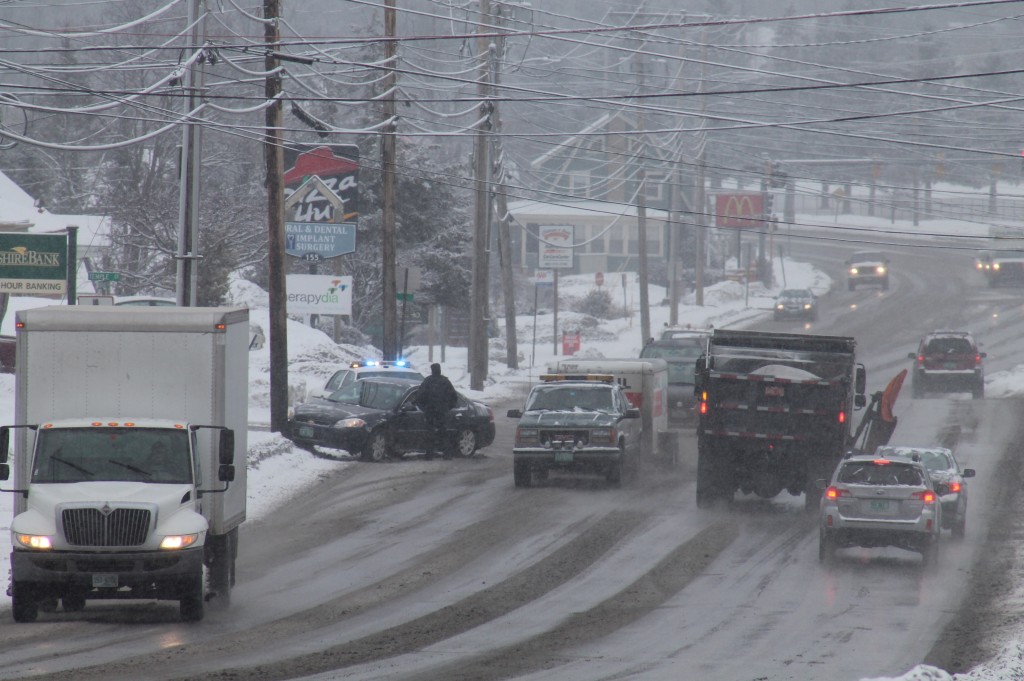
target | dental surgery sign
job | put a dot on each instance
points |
(33, 264)
(321, 187)
(319, 294)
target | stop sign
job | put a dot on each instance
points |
(599, 278)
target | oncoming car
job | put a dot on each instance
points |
(798, 303)
(367, 368)
(873, 501)
(377, 418)
(942, 468)
(577, 423)
(867, 267)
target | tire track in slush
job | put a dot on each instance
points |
(530, 584)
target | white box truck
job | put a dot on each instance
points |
(646, 384)
(130, 456)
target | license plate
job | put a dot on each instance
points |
(104, 581)
(306, 431)
(774, 391)
(563, 457)
(951, 365)
(879, 505)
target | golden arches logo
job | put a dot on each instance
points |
(739, 210)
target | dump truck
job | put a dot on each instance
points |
(775, 412)
(129, 458)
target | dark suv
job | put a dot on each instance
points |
(948, 361)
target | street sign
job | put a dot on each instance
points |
(407, 297)
(104, 276)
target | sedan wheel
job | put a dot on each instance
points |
(376, 448)
(465, 443)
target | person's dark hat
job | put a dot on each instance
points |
(435, 369)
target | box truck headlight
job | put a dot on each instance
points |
(35, 541)
(173, 542)
(350, 423)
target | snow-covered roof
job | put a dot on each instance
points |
(18, 208)
(596, 209)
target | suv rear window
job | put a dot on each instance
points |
(949, 346)
(874, 473)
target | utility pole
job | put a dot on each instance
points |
(699, 199)
(501, 196)
(641, 218)
(699, 213)
(478, 318)
(189, 163)
(389, 341)
(273, 153)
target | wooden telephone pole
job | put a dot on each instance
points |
(273, 153)
(390, 342)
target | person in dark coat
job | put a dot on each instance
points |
(436, 397)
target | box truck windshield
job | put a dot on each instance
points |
(95, 454)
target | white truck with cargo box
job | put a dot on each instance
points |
(100, 511)
(646, 384)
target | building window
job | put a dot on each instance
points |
(531, 236)
(579, 185)
(615, 239)
(656, 188)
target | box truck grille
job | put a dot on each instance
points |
(120, 527)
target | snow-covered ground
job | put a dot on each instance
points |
(277, 470)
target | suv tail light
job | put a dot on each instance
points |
(977, 359)
(927, 496)
(833, 493)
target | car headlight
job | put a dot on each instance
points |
(807, 306)
(881, 269)
(350, 423)
(853, 270)
(780, 306)
(995, 266)
(39, 542)
(173, 542)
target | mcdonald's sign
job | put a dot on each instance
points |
(743, 210)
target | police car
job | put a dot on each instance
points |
(367, 368)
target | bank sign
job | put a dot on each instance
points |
(319, 294)
(33, 264)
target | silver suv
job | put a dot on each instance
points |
(873, 501)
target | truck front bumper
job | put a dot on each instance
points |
(590, 457)
(109, 575)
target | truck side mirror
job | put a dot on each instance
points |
(861, 380)
(227, 447)
(226, 473)
(5, 471)
(5, 444)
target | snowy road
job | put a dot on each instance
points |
(443, 570)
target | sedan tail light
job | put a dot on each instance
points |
(954, 487)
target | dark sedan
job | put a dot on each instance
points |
(942, 468)
(376, 419)
(799, 303)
